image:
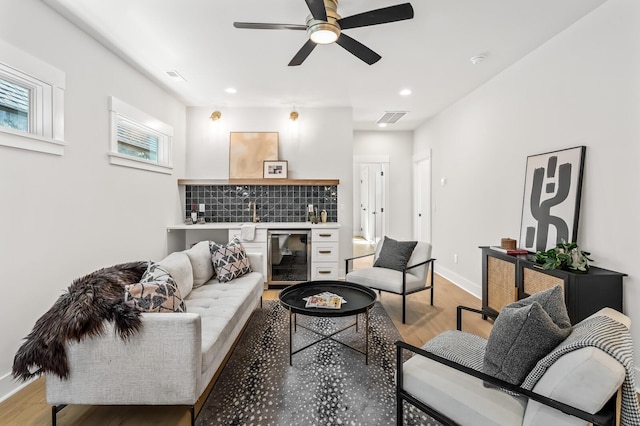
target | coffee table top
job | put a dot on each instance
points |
(358, 298)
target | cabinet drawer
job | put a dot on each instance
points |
(324, 271)
(260, 237)
(327, 252)
(331, 234)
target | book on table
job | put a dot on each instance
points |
(324, 300)
(511, 252)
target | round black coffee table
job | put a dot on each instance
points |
(359, 299)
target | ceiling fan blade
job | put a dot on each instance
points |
(318, 11)
(358, 49)
(302, 54)
(395, 13)
(263, 26)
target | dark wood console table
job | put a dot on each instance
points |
(506, 279)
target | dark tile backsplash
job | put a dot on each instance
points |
(274, 203)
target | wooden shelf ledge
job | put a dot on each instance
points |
(321, 182)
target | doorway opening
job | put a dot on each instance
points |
(370, 200)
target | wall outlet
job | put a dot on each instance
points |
(201, 208)
(455, 258)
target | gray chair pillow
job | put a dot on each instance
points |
(520, 337)
(394, 254)
(552, 301)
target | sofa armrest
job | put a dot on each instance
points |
(159, 365)
(603, 417)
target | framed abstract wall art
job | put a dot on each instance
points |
(276, 169)
(551, 204)
(248, 151)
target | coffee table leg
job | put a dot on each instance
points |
(290, 339)
(357, 315)
(366, 349)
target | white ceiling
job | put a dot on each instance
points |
(429, 54)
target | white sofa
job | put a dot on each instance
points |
(175, 356)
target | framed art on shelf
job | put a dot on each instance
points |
(275, 169)
(247, 151)
(551, 203)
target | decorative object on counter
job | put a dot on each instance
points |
(567, 256)
(201, 220)
(194, 214)
(508, 243)
(323, 216)
(275, 169)
(188, 221)
(247, 151)
(551, 203)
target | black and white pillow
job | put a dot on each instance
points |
(156, 292)
(230, 261)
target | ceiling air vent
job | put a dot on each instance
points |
(390, 117)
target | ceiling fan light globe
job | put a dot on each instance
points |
(323, 33)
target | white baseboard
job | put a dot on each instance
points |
(8, 386)
(468, 286)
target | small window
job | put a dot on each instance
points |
(31, 102)
(138, 140)
(14, 106)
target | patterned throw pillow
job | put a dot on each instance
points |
(230, 261)
(156, 292)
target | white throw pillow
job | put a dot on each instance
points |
(200, 258)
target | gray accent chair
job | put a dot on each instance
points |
(412, 279)
(582, 387)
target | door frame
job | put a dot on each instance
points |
(383, 161)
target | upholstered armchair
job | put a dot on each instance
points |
(399, 267)
(575, 384)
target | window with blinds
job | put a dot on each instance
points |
(139, 140)
(136, 141)
(14, 106)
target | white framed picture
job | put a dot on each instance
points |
(275, 169)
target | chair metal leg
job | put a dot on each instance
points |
(192, 410)
(54, 412)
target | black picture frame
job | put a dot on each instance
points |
(551, 201)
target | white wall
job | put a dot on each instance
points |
(317, 146)
(398, 147)
(64, 217)
(580, 88)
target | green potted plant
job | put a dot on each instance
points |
(566, 256)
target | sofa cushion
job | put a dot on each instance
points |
(552, 301)
(520, 337)
(200, 257)
(230, 261)
(156, 292)
(394, 254)
(384, 279)
(179, 267)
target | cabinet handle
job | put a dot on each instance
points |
(324, 272)
(324, 251)
(324, 235)
(537, 266)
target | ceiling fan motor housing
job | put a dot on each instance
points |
(325, 32)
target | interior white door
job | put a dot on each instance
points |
(379, 203)
(364, 202)
(371, 208)
(422, 197)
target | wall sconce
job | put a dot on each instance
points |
(215, 115)
(294, 115)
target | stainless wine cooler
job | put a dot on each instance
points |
(289, 256)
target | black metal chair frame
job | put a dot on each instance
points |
(404, 281)
(605, 417)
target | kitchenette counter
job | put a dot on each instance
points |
(259, 225)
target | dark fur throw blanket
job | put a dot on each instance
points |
(79, 313)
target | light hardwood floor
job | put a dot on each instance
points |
(29, 407)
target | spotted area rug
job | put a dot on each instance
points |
(328, 383)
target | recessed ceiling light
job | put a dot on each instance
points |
(476, 60)
(382, 124)
(230, 90)
(405, 92)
